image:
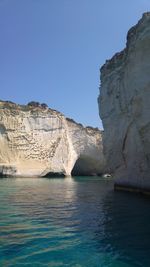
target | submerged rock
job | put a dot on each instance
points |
(38, 141)
(124, 105)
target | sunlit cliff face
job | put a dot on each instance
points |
(38, 141)
(124, 108)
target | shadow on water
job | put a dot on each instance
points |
(117, 222)
(126, 229)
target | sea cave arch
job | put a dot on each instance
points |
(85, 166)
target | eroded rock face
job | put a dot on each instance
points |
(87, 143)
(38, 141)
(124, 104)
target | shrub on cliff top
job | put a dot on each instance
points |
(43, 105)
(34, 104)
(37, 104)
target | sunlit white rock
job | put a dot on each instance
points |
(36, 141)
(124, 104)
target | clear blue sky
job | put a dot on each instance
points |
(51, 50)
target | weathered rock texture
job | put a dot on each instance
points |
(124, 104)
(38, 141)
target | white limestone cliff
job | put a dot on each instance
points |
(38, 141)
(124, 105)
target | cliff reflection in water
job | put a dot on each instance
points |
(126, 227)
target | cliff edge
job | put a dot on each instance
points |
(124, 105)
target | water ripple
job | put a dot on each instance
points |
(77, 222)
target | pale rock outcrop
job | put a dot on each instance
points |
(124, 104)
(38, 141)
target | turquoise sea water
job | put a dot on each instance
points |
(72, 222)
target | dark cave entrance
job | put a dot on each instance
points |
(55, 174)
(85, 166)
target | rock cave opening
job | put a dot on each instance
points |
(54, 174)
(85, 166)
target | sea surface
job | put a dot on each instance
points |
(73, 222)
